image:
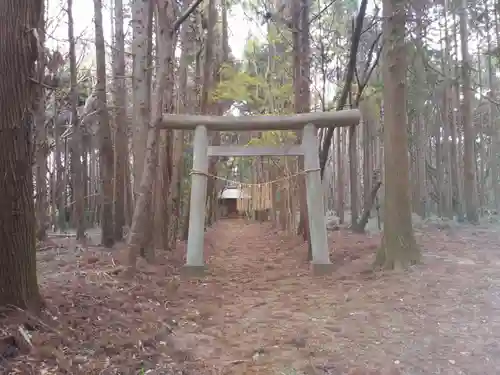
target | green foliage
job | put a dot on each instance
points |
(238, 86)
(268, 138)
(251, 47)
(244, 168)
(495, 58)
(254, 82)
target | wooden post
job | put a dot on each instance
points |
(317, 224)
(194, 259)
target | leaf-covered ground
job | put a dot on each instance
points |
(259, 310)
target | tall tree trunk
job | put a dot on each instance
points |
(162, 197)
(399, 248)
(480, 154)
(76, 141)
(458, 120)
(121, 123)
(42, 149)
(59, 188)
(152, 59)
(445, 119)
(198, 46)
(106, 157)
(492, 116)
(340, 187)
(367, 161)
(18, 53)
(452, 121)
(142, 23)
(421, 129)
(353, 175)
(205, 108)
(495, 175)
(301, 66)
(469, 170)
(181, 108)
(140, 92)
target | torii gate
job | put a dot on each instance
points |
(310, 122)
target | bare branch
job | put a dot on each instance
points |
(370, 56)
(320, 13)
(356, 36)
(184, 16)
(374, 65)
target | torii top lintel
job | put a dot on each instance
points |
(348, 117)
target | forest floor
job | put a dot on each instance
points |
(260, 311)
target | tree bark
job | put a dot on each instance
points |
(176, 183)
(340, 204)
(495, 175)
(205, 104)
(106, 157)
(399, 248)
(121, 137)
(447, 124)
(42, 147)
(140, 92)
(76, 141)
(367, 161)
(301, 66)
(353, 174)
(18, 54)
(456, 203)
(469, 136)
(142, 47)
(163, 217)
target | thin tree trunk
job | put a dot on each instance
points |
(301, 65)
(492, 123)
(42, 147)
(367, 162)
(447, 165)
(496, 130)
(198, 89)
(140, 115)
(182, 105)
(121, 123)
(163, 213)
(106, 157)
(77, 138)
(59, 189)
(480, 151)
(353, 175)
(340, 208)
(469, 173)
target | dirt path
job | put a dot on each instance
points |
(259, 310)
(442, 317)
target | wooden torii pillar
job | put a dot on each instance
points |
(309, 122)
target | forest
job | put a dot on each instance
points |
(249, 187)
